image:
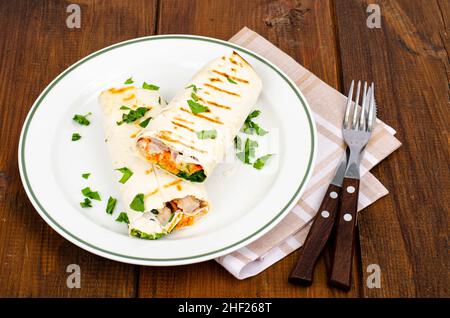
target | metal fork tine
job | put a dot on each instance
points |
(355, 110)
(372, 116)
(362, 116)
(348, 106)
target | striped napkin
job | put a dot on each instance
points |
(328, 106)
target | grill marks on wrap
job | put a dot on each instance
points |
(182, 126)
(235, 78)
(129, 97)
(120, 90)
(216, 121)
(169, 137)
(173, 183)
(221, 90)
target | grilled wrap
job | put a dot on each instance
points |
(191, 136)
(168, 202)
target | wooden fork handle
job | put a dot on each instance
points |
(302, 273)
(341, 269)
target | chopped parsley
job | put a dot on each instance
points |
(138, 203)
(261, 161)
(123, 217)
(250, 126)
(144, 123)
(126, 174)
(76, 136)
(81, 119)
(194, 88)
(86, 175)
(194, 96)
(94, 195)
(207, 134)
(143, 235)
(129, 81)
(197, 108)
(133, 115)
(154, 211)
(111, 205)
(123, 107)
(231, 80)
(198, 176)
(159, 100)
(249, 151)
(150, 86)
(237, 142)
(86, 203)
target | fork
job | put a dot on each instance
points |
(357, 129)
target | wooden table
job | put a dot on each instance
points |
(406, 233)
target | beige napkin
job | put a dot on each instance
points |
(328, 107)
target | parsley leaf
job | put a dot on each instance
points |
(261, 161)
(133, 115)
(123, 107)
(194, 96)
(86, 203)
(150, 86)
(129, 81)
(138, 203)
(144, 123)
(81, 119)
(86, 175)
(237, 142)
(249, 151)
(76, 136)
(207, 134)
(197, 108)
(94, 195)
(231, 80)
(127, 173)
(123, 217)
(250, 126)
(194, 88)
(111, 205)
(159, 100)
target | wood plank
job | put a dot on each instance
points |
(406, 233)
(304, 29)
(36, 46)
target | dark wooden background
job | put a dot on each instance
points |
(406, 233)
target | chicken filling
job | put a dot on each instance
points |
(185, 167)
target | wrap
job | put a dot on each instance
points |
(191, 136)
(168, 202)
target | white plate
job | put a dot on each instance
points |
(246, 202)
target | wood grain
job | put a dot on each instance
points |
(36, 46)
(303, 29)
(406, 234)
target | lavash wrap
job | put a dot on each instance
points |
(158, 186)
(229, 87)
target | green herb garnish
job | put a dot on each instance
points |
(123, 217)
(76, 136)
(250, 126)
(138, 203)
(261, 161)
(197, 108)
(144, 123)
(237, 142)
(129, 81)
(154, 211)
(123, 107)
(150, 86)
(194, 88)
(159, 100)
(194, 96)
(143, 235)
(127, 173)
(86, 175)
(94, 195)
(81, 119)
(86, 203)
(111, 205)
(133, 115)
(249, 151)
(231, 80)
(198, 176)
(207, 134)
